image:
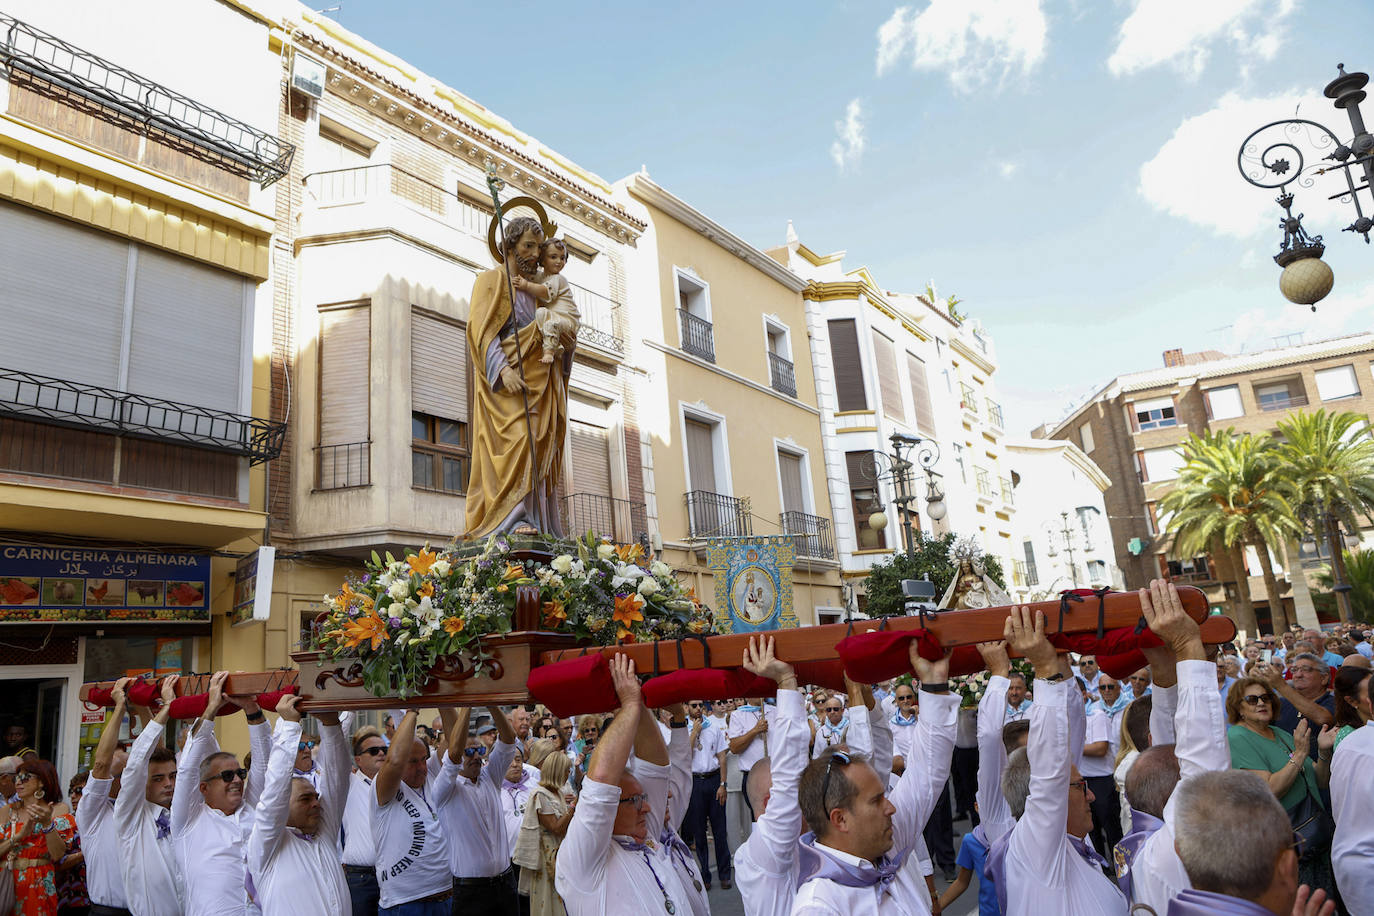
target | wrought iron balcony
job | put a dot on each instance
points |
(714, 515)
(968, 400)
(1008, 493)
(619, 519)
(782, 375)
(91, 407)
(598, 319)
(698, 337)
(343, 466)
(985, 490)
(995, 414)
(813, 534)
(227, 142)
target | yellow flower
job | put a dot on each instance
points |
(513, 571)
(364, 628)
(422, 561)
(554, 613)
(628, 553)
(627, 610)
(503, 587)
(426, 590)
(453, 625)
(624, 635)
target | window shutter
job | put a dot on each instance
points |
(885, 365)
(591, 459)
(438, 366)
(60, 277)
(790, 472)
(920, 394)
(849, 367)
(345, 375)
(186, 342)
(701, 457)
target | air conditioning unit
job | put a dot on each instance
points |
(307, 76)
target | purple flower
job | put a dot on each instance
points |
(484, 563)
(395, 622)
(367, 577)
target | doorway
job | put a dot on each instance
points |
(32, 716)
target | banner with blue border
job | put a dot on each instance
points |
(753, 582)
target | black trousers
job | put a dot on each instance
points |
(1106, 808)
(494, 896)
(100, 909)
(703, 806)
(964, 773)
(362, 889)
(939, 832)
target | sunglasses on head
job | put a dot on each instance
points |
(305, 745)
(373, 751)
(228, 775)
(843, 760)
(478, 751)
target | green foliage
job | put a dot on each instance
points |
(1359, 571)
(1329, 460)
(929, 559)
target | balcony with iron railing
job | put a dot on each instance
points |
(619, 519)
(698, 336)
(1008, 492)
(968, 401)
(782, 375)
(813, 534)
(715, 515)
(343, 466)
(995, 415)
(986, 493)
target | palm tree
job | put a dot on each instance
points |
(1329, 459)
(1231, 492)
(1359, 572)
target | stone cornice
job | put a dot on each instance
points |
(644, 188)
(957, 345)
(856, 289)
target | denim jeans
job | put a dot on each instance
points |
(420, 908)
(362, 890)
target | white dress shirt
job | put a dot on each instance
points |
(1352, 849)
(931, 750)
(596, 876)
(766, 863)
(1041, 865)
(706, 750)
(1099, 729)
(662, 785)
(359, 848)
(211, 846)
(1020, 712)
(742, 721)
(152, 882)
(100, 845)
(1199, 719)
(513, 801)
(993, 811)
(828, 735)
(413, 859)
(472, 816)
(295, 874)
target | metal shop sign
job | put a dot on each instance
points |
(71, 584)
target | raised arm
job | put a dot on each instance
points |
(503, 751)
(993, 811)
(335, 762)
(613, 750)
(932, 749)
(274, 807)
(135, 779)
(651, 767)
(109, 738)
(388, 781)
(679, 768)
(780, 824)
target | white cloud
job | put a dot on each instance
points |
(972, 42)
(1181, 33)
(1193, 176)
(1008, 169)
(849, 136)
(1261, 328)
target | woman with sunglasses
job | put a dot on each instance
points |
(36, 838)
(1281, 759)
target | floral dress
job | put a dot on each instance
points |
(35, 887)
(71, 884)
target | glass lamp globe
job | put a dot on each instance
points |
(1306, 281)
(936, 509)
(877, 521)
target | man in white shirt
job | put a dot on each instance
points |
(152, 881)
(853, 861)
(212, 810)
(1099, 762)
(95, 816)
(1018, 701)
(468, 798)
(1185, 706)
(1352, 787)
(747, 734)
(1044, 858)
(664, 772)
(412, 849)
(605, 865)
(293, 853)
(359, 848)
(707, 801)
(766, 863)
(304, 767)
(1137, 685)
(1087, 669)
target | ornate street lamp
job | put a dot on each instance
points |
(900, 470)
(1264, 161)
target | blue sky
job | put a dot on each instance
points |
(1066, 167)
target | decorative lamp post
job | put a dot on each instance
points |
(900, 470)
(1264, 161)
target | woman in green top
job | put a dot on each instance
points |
(1348, 713)
(1281, 760)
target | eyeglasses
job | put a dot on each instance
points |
(906, 699)
(1307, 668)
(305, 745)
(695, 705)
(836, 757)
(834, 709)
(635, 800)
(1254, 699)
(1080, 784)
(22, 778)
(1109, 687)
(478, 751)
(372, 751)
(228, 775)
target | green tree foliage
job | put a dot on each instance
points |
(1359, 571)
(930, 559)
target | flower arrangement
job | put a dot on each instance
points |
(971, 687)
(401, 617)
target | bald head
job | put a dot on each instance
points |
(759, 785)
(1152, 779)
(1357, 661)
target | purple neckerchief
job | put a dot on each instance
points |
(995, 868)
(1143, 826)
(1087, 853)
(308, 837)
(1205, 903)
(678, 851)
(518, 784)
(630, 844)
(816, 865)
(164, 824)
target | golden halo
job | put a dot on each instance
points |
(508, 211)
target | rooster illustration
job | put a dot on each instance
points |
(98, 592)
(16, 591)
(184, 593)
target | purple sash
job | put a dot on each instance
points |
(817, 865)
(1205, 903)
(1143, 826)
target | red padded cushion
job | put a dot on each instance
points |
(828, 673)
(1122, 666)
(697, 684)
(192, 706)
(100, 696)
(574, 686)
(881, 654)
(143, 692)
(270, 700)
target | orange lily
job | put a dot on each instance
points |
(627, 610)
(453, 625)
(364, 628)
(554, 613)
(422, 561)
(513, 571)
(624, 635)
(628, 553)
(426, 590)
(346, 595)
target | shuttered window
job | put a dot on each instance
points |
(790, 474)
(890, 386)
(438, 366)
(591, 459)
(701, 456)
(920, 394)
(849, 366)
(864, 499)
(345, 373)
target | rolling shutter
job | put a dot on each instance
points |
(849, 366)
(438, 367)
(591, 459)
(920, 394)
(701, 457)
(790, 472)
(345, 373)
(885, 365)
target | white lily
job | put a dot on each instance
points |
(626, 574)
